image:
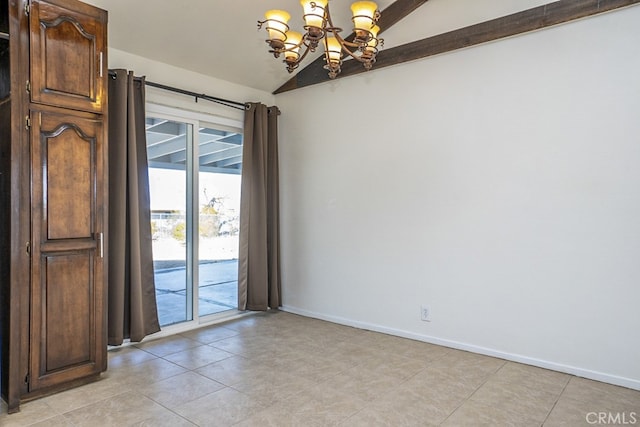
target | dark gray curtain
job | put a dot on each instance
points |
(259, 257)
(132, 311)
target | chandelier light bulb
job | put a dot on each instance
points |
(314, 12)
(364, 13)
(371, 47)
(334, 50)
(292, 46)
(276, 24)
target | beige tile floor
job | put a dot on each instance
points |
(279, 369)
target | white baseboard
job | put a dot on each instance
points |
(580, 372)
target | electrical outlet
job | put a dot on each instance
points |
(425, 313)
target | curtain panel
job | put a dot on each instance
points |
(132, 310)
(259, 285)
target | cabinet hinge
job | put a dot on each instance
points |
(27, 122)
(28, 86)
(27, 8)
(27, 378)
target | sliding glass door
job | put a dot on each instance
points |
(194, 174)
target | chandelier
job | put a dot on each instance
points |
(319, 28)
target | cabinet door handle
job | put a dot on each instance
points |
(101, 237)
(100, 63)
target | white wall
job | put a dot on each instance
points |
(499, 184)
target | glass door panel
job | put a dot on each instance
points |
(167, 146)
(219, 161)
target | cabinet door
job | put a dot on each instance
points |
(68, 54)
(67, 282)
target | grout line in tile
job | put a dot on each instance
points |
(504, 362)
(89, 404)
(557, 399)
(171, 410)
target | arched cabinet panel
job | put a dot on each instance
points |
(68, 48)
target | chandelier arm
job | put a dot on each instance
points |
(306, 51)
(279, 50)
(289, 49)
(327, 17)
(344, 44)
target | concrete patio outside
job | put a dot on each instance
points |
(217, 281)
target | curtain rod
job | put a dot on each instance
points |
(226, 102)
(233, 104)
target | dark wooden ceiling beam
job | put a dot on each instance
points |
(521, 22)
(388, 17)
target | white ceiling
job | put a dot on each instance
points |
(219, 38)
(215, 38)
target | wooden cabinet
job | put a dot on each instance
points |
(53, 205)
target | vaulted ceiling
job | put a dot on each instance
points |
(220, 38)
